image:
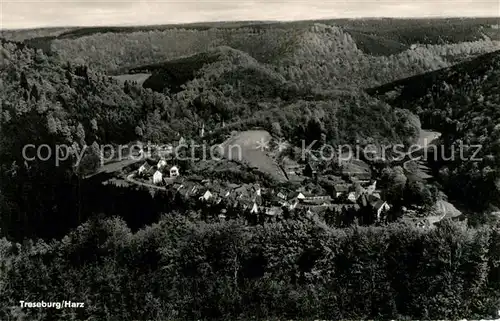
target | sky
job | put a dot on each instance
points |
(48, 13)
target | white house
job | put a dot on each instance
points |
(381, 206)
(144, 168)
(298, 196)
(206, 196)
(258, 190)
(254, 209)
(161, 163)
(353, 197)
(157, 177)
(174, 171)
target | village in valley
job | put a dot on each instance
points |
(339, 191)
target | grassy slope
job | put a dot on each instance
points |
(252, 153)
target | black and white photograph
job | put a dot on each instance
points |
(277, 160)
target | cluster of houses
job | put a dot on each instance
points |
(347, 195)
(157, 173)
(253, 198)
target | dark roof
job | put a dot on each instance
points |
(272, 211)
(258, 200)
(316, 201)
(341, 188)
(363, 200)
(168, 181)
(347, 206)
(378, 204)
(146, 165)
(195, 178)
(293, 195)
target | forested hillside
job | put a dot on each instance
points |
(49, 103)
(306, 55)
(462, 102)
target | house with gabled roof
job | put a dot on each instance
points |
(144, 168)
(296, 195)
(380, 207)
(207, 195)
(254, 209)
(340, 189)
(157, 177)
(161, 164)
(293, 204)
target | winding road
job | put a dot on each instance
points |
(130, 178)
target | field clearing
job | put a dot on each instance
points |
(248, 147)
(116, 166)
(139, 78)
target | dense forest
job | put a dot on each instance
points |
(130, 255)
(180, 269)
